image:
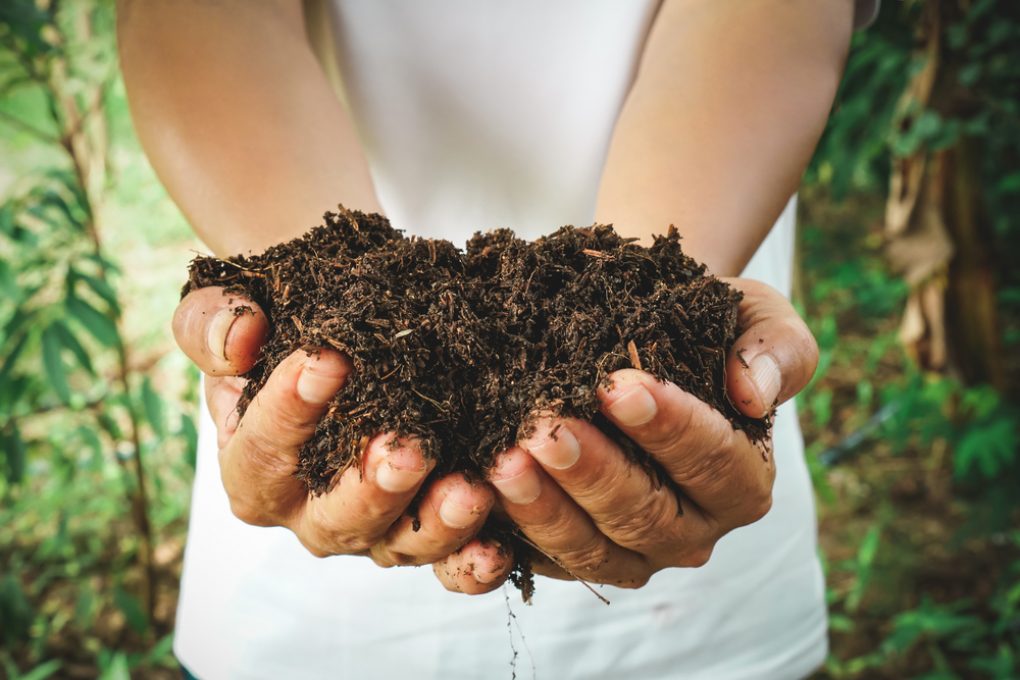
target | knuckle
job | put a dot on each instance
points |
(343, 537)
(384, 558)
(400, 559)
(353, 543)
(437, 548)
(666, 434)
(314, 548)
(290, 419)
(758, 508)
(650, 521)
(261, 456)
(249, 512)
(706, 469)
(589, 559)
(695, 557)
(423, 549)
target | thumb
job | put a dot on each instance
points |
(222, 333)
(775, 355)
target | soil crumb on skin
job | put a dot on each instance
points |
(459, 347)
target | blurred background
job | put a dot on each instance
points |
(909, 224)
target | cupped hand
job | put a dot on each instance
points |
(591, 513)
(366, 511)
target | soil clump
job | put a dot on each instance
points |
(460, 347)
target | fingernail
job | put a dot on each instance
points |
(219, 328)
(317, 384)
(402, 470)
(766, 377)
(553, 445)
(635, 407)
(520, 488)
(495, 570)
(455, 515)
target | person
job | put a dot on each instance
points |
(453, 116)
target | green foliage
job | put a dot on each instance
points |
(926, 472)
(933, 487)
(79, 415)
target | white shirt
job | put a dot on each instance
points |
(478, 114)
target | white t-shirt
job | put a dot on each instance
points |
(477, 114)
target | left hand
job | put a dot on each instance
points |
(593, 514)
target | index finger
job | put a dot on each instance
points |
(716, 467)
(221, 332)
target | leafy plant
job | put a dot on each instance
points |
(79, 414)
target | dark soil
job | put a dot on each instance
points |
(458, 348)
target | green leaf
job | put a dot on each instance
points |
(110, 426)
(98, 324)
(987, 448)
(190, 434)
(116, 668)
(104, 290)
(91, 440)
(14, 455)
(864, 566)
(43, 670)
(56, 372)
(8, 283)
(841, 623)
(51, 199)
(132, 610)
(69, 180)
(15, 609)
(103, 262)
(87, 605)
(7, 218)
(869, 546)
(8, 365)
(162, 651)
(153, 406)
(71, 343)
(20, 319)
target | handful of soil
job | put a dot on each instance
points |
(459, 348)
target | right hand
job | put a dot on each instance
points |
(365, 512)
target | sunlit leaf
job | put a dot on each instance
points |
(71, 343)
(43, 670)
(69, 181)
(153, 406)
(51, 199)
(53, 363)
(162, 651)
(98, 324)
(864, 566)
(8, 282)
(190, 434)
(104, 290)
(12, 357)
(116, 667)
(92, 441)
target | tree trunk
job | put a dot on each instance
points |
(939, 236)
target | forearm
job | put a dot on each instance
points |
(238, 119)
(730, 100)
